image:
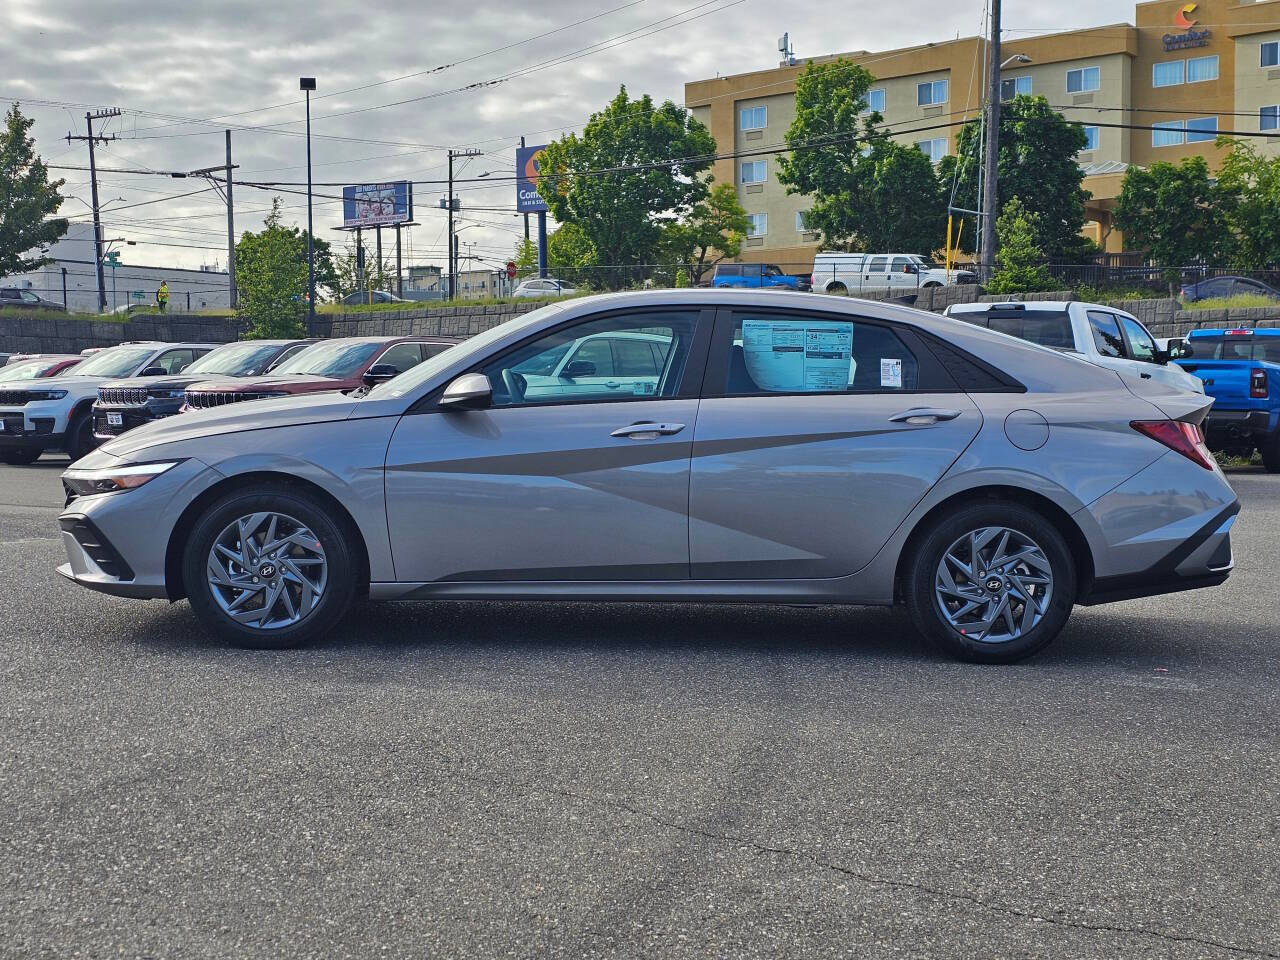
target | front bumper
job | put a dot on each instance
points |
(130, 416)
(20, 429)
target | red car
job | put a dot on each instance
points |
(37, 366)
(343, 364)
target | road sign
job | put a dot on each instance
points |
(511, 269)
(111, 259)
(527, 199)
(138, 295)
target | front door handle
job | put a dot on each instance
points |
(647, 430)
(924, 416)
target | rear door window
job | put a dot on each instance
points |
(877, 265)
(1106, 334)
(634, 358)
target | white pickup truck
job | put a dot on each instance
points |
(849, 274)
(57, 413)
(1101, 334)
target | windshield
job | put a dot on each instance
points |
(473, 348)
(116, 362)
(26, 371)
(337, 358)
(240, 360)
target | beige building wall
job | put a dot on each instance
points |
(1256, 87)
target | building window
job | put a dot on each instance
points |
(1271, 54)
(1015, 87)
(1200, 69)
(1090, 139)
(927, 94)
(1202, 130)
(800, 224)
(935, 150)
(753, 171)
(1269, 118)
(875, 100)
(1168, 74)
(757, 224)
(1083, 80)
(1167, 134)
(752, 118)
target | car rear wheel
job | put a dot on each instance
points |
(838, 290)
(1271, 454)
(20, 455)
(992, 583)
(268, 570)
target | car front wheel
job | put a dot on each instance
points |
(992, 583)
(268, 570)
(20, 455)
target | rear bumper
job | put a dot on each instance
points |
(1237, 422)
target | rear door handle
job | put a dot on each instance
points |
(923, 416)
(647, 430)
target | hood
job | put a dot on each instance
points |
(164, 383)
(259, 415)
(293, 383)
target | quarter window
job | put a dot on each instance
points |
(1202, 130)
(930, 93)
(753, 118)
(772, 353)
(757, 224)
(1015, 87)
(1200, 69)
(629, 357)
(1083, 80)
(1271, 54)
(1168, 74)
(753, 171)
(1269, 118)
(1090, 138)
(1106, 334)
(875, 100)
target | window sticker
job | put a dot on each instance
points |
(890, 372)
(790, 356)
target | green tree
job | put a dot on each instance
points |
(868, 192)
(570, 255)
(1175, 213)
(1249, 191)
(663, 151)
(713, 231)
(28, 200)
(1020, 263)
(377, 276)
(272, 280)
(1036, 163)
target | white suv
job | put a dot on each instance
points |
(848, 274)
(57, 413)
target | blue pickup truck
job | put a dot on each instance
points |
(1241, 371)
(753, 275)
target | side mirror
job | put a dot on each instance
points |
(578, 368)
(379, 373)
(1179, 349)
(153, 372)
(471, 391)
(911, 268)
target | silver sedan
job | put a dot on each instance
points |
(686, 445)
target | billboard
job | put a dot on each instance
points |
(377, 204)
(527, 199)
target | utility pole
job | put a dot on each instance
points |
(223, 187)
(93, 190)
(989, 196)
(453, 247)
(526, 216)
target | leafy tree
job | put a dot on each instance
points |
(272, 280)
(869, 192)
(1249, 190)
(526, 257)
(624, 213)
(1036, 163)
(28, 200)
(570, 255)
(377, 276)
(1175, 213)
(713, 231)
(1020, 263)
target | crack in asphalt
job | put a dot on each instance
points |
(872, 880)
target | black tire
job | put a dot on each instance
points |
(334, 601)
(20, 456)
(925, 608)
(1271, 454)
(838, 290)
(80, 438)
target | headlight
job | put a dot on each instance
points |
(111, 479)
(46, 394)
(160, 394)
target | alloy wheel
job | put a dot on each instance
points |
(267, 570)
(993, 584)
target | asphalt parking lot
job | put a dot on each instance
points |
(498, 780)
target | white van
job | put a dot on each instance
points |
(848, 274)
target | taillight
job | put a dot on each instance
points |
(813, 279)
(1178, 436)
(1258, 384)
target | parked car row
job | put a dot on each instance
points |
(696, 445)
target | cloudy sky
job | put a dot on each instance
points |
(394, 91)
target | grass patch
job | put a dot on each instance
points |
(1110, 293)
(337, 308)
(1238, 301)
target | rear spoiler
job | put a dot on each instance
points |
(1173, 403)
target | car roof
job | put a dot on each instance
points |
(1055, 305)
(1237, 331)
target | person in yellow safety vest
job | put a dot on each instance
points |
(162, 296)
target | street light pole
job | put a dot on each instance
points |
(308, 84)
